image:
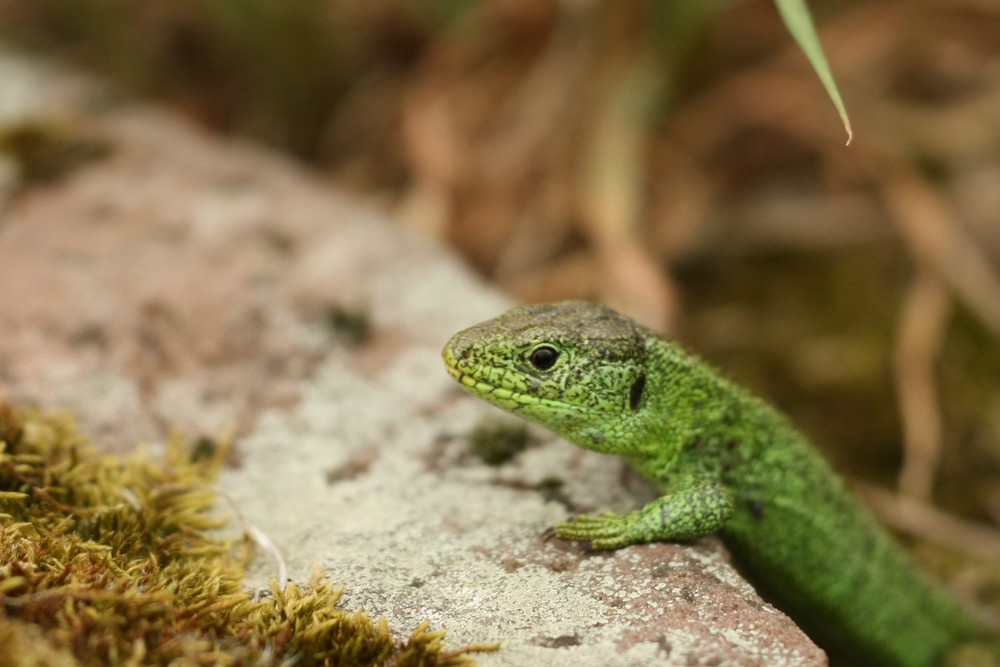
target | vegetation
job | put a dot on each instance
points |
(115, 561)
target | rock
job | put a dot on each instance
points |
(182, 281)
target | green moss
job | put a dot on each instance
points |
(349, 324)
(495, 442)
(46, 151)
(109, 560)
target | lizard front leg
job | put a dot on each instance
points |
(680, 515)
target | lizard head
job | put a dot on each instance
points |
(576, 368)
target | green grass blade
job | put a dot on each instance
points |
(796, 16)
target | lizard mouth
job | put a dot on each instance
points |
(451, 363)
(488, 391)
(454, 372)
(508, 399)
(467, 381)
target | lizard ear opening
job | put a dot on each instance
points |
(635, 394)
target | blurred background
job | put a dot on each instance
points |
(679, 161)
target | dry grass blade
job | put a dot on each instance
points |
(921, 331)
(949, 260)
(916, 518)
(611, 200)
(935, 236)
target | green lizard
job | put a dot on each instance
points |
(726, 463)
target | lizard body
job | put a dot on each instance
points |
(725, 462)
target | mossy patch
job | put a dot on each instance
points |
(352, 325)
(495, 442)
(111, 560)
(45, 151)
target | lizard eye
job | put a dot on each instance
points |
(543, 358)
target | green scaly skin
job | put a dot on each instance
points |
(726, 463)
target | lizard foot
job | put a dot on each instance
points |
(600, 531)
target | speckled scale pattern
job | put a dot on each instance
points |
(592, 378)
(724, 462)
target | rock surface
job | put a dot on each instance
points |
(179, 281)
